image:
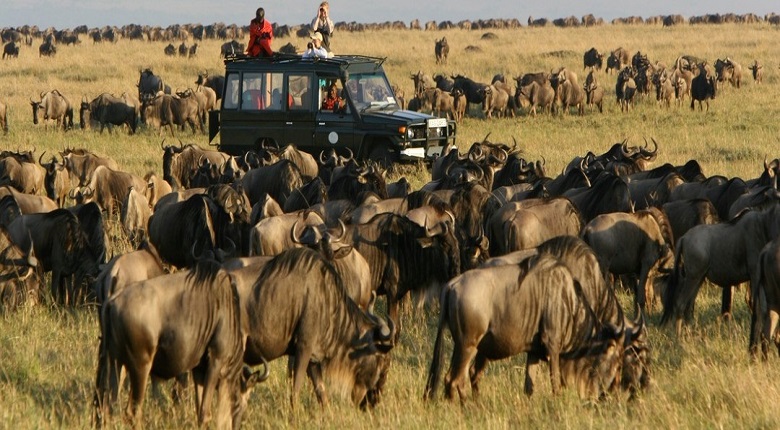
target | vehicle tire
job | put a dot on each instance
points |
(383, 155)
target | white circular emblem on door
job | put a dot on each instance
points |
(333, 137)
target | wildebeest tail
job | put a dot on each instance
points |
(759, 305)
(434, 374)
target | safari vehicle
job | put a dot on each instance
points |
(279, 100)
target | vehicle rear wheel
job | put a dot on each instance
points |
(383, 155)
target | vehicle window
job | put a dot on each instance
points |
(231, 92)
(370, 91)
(300, 94)
(332, 97)
(262, 91)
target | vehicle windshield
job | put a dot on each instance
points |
(370, 91)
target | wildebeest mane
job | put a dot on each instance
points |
(205, 272)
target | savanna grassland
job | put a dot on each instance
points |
(702, 380)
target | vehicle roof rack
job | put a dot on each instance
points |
(292, 58)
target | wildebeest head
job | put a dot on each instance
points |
(636, 361)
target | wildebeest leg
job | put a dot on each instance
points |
(56, 287)
(315, 375)
(459, 369)
(531, 364)
(555, 370)
(179, 387)
(137, 373)
(302, 358)
(644, 295)
(770, 332)
(210, 381)
(725, 305)
(480, 363)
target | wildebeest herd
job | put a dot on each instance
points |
(560, 90)
(242, 260)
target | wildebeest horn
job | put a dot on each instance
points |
(514, 144)
(343, 229)
(87, 191)
(162, 144)
(255, 377)
(385, 332)
(222, 254)
(72, 193)
(44, 153)
(504, 155)
(486, 137)
(293, 233)
(624, 149)
(351, 154)
(476, 153)
(322, 157)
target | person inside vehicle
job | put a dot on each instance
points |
(332, 101)
(260, 36)
(315, 48)
(323, 24)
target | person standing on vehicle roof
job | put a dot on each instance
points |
(260, 36)
(323, 24)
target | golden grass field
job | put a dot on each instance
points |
(702, 380)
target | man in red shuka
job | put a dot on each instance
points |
(260, 36)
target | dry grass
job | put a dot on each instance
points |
(704, 380)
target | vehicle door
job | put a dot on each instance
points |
(334, 128)
(259, 113)
(301, 110)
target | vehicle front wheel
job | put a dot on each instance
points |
(383, 155)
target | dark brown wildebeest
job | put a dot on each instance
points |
(329, 337)
(683, 215)
(277, 180)
(442, 50)
(170, 50)
(61, 246)
(10, 50)
(728, 70)
(109, 110)
(179, 163)
(148, 328)
(216, 83)
(703, 87)
(725, 253)
(640, 244)
(766, 301)
(47, 49)
(150, 84)
(593, 59)
(481, 307)
(53, 106)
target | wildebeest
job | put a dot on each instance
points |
(216, 82)
(125, 269)
(277, 180)
(765, 296)
(640, 244)
(18, 169)
(170, 50)
(3, 118)
(10, 50)
(725, 253)
(459, 105)
(148, 328)
(53, 106)
(163, 109)
(593, 59)
(594, 92)
(625, 89)
(134, 216)
(28, 203)
(617, 60)
(729, 70)
(683, 215)
(230, 49)
(703, 87)
(442, 50)
(471, 89)
(482, 307)
(758, 71)
(150, 84)
(60, 245)
(109, 110)
(81, 164)
(108, 188)
(19, 280)
(608, 193)
(179, 163)
(47, 48)
(529, 223)
(568, 91)
(183, 49)
(535, 95)
(328, 336)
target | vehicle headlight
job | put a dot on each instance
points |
(409, 133)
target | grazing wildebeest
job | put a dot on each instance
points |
(725, 253)
(617, 60)
(108, 188)
(482, 307)
(329, 337)
(170, 50)
(47, 48)
(442, 50)
(594, 92)
(758, 71)
(53, 106)
(109, 110)
(150, 84)
(19, 280)
(149, 328)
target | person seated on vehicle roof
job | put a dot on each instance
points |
(332, 101)
(315, 48)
